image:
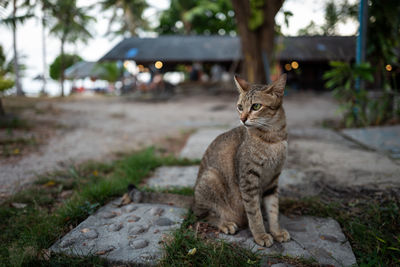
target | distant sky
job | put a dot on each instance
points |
(29, 34)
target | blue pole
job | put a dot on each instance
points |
(362, 35)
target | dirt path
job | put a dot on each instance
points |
(96, 128)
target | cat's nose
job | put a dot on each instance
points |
(243, 119)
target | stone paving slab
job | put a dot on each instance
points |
(178, 176)
(378, 138)
(198, 143)
(319, 238)
(323, 134)
(174, 176)
(129, 234)
(132, 234)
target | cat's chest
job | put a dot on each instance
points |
(268, 158)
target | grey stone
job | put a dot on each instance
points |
(115, 227)
(129, 208)
(311, 237)
(108, 215)
(156, 211)
(386, 139)
(133, 218)
(198, 143)
(136, 242)
(138, 229)
(164, 222)
(175, 176)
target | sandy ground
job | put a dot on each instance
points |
(96, 128)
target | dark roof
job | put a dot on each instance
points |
(176, 48)
(316, 48)
(80, 70)
(84, 69)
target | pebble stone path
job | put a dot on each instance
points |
(132, 234)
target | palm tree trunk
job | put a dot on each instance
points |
(44, 54)
(16, 66)
(62, 66)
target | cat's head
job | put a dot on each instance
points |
(260, 106)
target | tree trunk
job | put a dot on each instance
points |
(16, 65)
(256, 41)
(2, 112)
(62, 77)
(44, 53)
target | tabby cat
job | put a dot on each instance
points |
(240, 169)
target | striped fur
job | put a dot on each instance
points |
(239, 171)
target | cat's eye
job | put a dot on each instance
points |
(256, 106)
(240, 107)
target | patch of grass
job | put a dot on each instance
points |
(180, 246)
(12, 122)
(372, 226)
(14, 146)
(26, 233)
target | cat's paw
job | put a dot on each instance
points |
(281, 236)
(228, 227)
(264, 239)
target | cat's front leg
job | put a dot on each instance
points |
(271, 204)
(250, 188)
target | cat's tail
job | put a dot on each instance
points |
(136, 196)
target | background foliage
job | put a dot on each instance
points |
(55, 67)
(198, 17)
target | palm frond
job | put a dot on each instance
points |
(13, 20)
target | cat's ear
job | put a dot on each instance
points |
(278, 86)
(241, 84)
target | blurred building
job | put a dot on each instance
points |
(304, 58)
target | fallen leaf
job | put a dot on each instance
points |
(16, 151)
(124, 200)
(251, 262)
(192, 251)
(50, 183)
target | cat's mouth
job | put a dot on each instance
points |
(257, 124)
(248, 123)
